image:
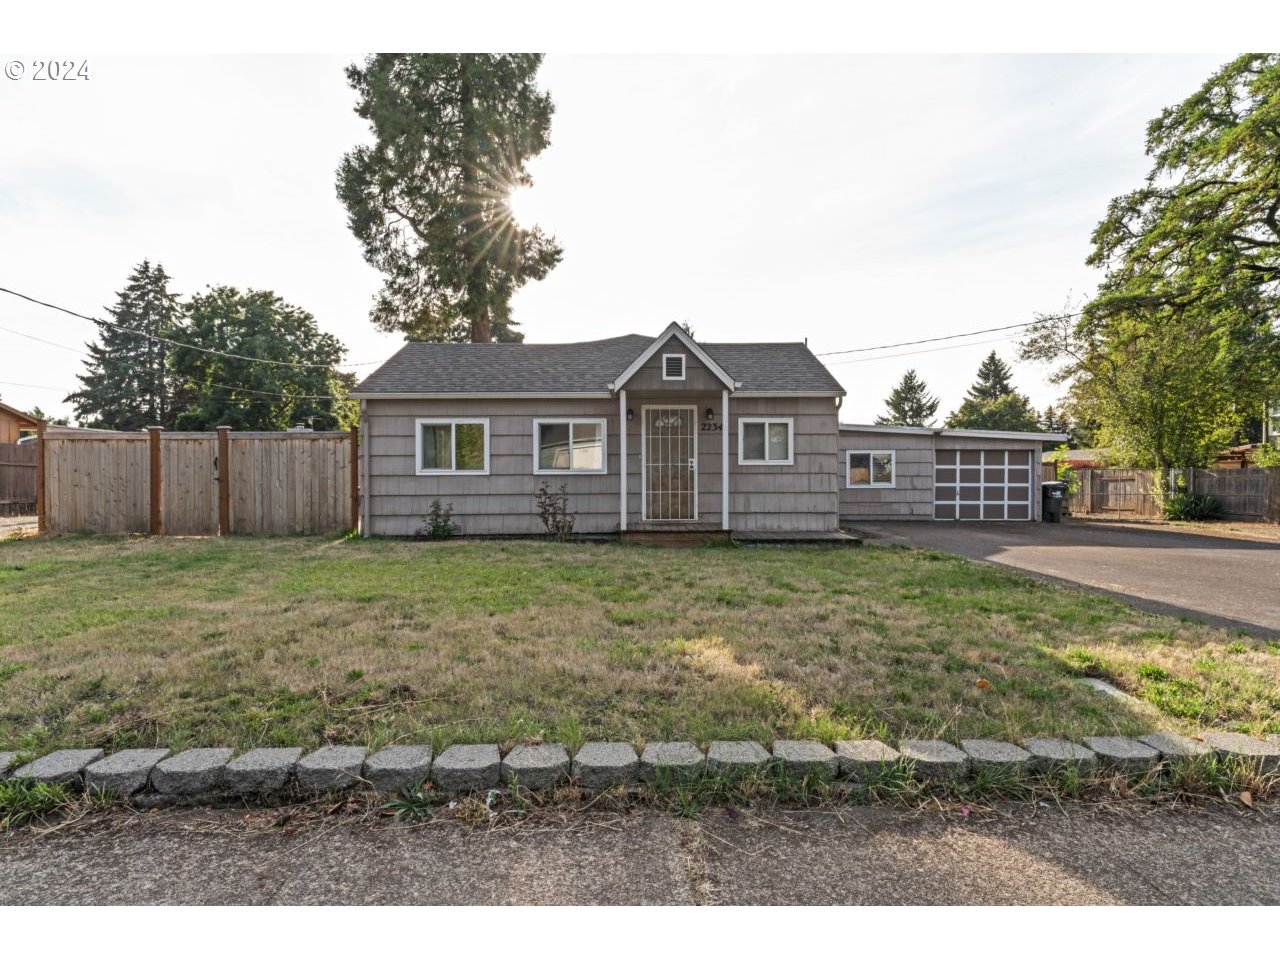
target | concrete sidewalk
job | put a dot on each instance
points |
(1138, 854)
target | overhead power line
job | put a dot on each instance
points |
(179, 343)
(224, 386)
(913, 353)
(951, 336)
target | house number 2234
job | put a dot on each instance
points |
(711, 427)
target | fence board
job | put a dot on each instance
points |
(17, 479)
(278, 483)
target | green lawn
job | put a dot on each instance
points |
(123, 642)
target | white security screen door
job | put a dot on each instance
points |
(669, 450)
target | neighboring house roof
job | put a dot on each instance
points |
(953, 432)
(583, 369)
(1086, 457)
(18, 414)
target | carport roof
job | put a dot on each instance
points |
(951, 432)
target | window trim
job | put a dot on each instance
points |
(604, 446)
(791, 441)
(893, 466)
(684, 366)
(453, 423)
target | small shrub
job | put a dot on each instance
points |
(1181, 505)
(553, 511)
(439, 524)
(1266, 455)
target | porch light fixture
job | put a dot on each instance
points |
(631, 414)
(711, 414)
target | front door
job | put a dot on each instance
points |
(669, 450)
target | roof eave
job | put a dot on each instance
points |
(953, 432)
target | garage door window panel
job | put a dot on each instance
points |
(986, 485)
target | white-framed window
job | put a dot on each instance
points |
(766, 440)
(569, 445)
(452, 445)
(673, 366)
(869, 468)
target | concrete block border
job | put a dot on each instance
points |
(212, 772)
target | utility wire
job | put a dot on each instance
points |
(912, 353)
(224, 386)
(178, 343)
(952, 336)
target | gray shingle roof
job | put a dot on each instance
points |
(581, 367)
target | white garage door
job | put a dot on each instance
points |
(982, 485)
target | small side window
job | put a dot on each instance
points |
(869, 468)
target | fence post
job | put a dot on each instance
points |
(224, 481)
(42, 522)
(157, 522)
(355, 479)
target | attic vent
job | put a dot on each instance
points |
(673, 366)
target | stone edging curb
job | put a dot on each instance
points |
(466, 768)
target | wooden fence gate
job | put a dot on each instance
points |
(17, 479)
(197, 484)
(1250, 493)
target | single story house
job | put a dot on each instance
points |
(14, 424)
(653, 433)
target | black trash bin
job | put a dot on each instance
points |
(1053, 498)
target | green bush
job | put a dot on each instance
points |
(1181, 505)
(440, 525)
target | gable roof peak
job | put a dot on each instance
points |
(674, 330)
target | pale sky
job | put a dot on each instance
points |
(854, 200)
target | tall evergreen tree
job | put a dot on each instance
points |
(126, 384)
(429, 198)
(992, 403)
(249, 395)
(909, 403)
(995, 380)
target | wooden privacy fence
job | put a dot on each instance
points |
(1250, 493)
(17, 479)
(197, 484)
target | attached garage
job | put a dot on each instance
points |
(992, 483)
(925, 473)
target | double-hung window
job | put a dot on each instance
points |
(453, 445)
(765, 440)
(569, 446)
(869, 468)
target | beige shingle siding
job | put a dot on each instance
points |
(911, 498)
(503, 501)
(801, 496)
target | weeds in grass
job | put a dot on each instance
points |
(415, 804)
(23, 801)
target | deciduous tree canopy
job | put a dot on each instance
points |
(1179, 346)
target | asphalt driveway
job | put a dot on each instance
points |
(1232, 583)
